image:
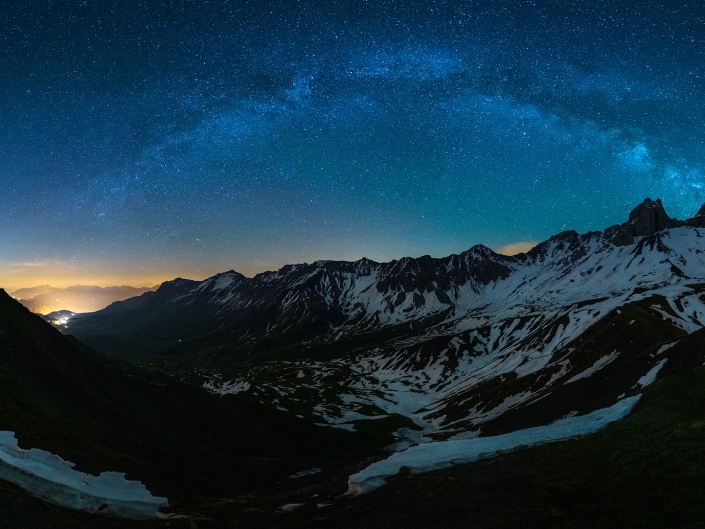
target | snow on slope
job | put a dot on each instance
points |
(49, 477)
(518, 326)
(649, 377)
(365, 295)
(442, 454)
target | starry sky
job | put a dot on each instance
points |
(140, 141)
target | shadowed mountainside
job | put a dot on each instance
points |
(60, 396)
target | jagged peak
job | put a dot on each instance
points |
(648, 203)
(291, 268)
(176, 286)
(219, 281)
(232, 273)
(566, 240)
(648, 218)
(480, 250)
(178, 281)
(364, 261)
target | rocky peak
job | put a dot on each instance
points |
(564, 248)
(177, 283)
(364, 266)
(480, 251)
(645, 220)
(175, 287)
(648, 218)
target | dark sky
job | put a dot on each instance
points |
(144, 140)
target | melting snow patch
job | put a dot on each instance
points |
(442, 454)
(666, 347)
(348, 427)
(649, 377)
(305, 473)
(602, 362)
(222, 282)
(290, 507)
(49, 477)
(231, 387)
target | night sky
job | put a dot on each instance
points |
(140, 141)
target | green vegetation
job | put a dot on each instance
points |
(226, 462)
(645, 471)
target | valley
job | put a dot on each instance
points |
(262, 402)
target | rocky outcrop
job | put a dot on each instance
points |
(648, 218)
(645, 220)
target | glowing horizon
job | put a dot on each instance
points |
(16, 276)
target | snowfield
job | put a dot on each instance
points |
(49, 477)
(437, 455)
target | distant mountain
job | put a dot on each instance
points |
(79, 298)
(471, 344)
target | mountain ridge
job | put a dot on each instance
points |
(342, 292)
(424, 350)
(472, 342)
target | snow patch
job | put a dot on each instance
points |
(290, 507)
(50, 478)
(443, 454)
(305, 473)
(602, 362)
(665, 347)
(649, 377)
(231, 387)
(222, 282)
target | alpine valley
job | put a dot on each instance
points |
(261, 402)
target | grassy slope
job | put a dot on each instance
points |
(646, 471)
(178, 440)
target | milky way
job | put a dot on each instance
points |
(140, 141)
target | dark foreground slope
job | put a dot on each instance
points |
(645, 471)
(59, 396)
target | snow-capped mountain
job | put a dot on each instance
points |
(316, 301)
(470, 344)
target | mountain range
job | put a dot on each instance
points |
(471, 344)
(265, 399)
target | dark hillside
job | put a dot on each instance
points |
(59, 396)
(645, 471)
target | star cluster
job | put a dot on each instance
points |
(144, 140)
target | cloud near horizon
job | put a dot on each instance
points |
(516, 247)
